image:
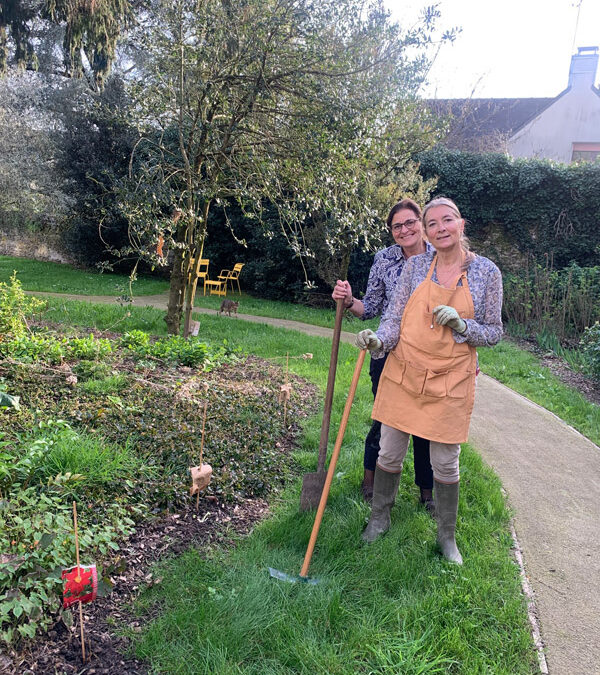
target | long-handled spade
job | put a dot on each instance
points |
(312, 483)
(329, 477)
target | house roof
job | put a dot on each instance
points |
(481, 123)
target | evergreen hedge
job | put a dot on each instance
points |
(544, 208)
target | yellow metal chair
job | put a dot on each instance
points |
(202, 270)
(231, 276)
(215, 286)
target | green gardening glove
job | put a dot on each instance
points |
(367, 339)
(448, 316)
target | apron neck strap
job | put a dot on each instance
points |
(431, 268)
(463, 273)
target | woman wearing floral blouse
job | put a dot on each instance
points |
(404, 223)
(448, 303)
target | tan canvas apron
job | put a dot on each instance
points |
(427, 386)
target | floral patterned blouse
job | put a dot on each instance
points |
(383, 279)
(485, 284)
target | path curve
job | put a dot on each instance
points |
(551, 474)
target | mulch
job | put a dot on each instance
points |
(59, 650)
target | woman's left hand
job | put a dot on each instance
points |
(448, 316)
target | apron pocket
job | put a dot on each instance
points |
(394, 368)
(459, 383)
(413, 379)
(435, 384)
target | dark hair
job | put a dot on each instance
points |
(403, 204)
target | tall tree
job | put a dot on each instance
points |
(291, 101)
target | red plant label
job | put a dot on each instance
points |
(81, 584)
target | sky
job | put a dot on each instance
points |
(507, 48)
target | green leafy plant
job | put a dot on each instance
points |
(36, 537)
(135, 339)
(15, 308)
(9, 401)
(32, 347)
(590, 346)
(39, 477)
(88, 347)
(176, 350)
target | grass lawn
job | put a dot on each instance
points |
(56, 278)
(394, 607)
(50, 277)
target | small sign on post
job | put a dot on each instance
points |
(81, 583)
(194, 328)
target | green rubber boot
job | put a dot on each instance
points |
(446, 509)
(385, 488)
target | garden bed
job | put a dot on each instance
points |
(117, 431)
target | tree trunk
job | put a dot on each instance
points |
(199, 235)
(345, 263)
(176, 294)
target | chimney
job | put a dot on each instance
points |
(583, 67)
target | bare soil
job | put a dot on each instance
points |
(59, 651)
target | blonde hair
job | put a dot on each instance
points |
(464, 242)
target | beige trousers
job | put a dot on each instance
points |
(392, 451)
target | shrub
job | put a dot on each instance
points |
(542, 207)
(15, 308)
(590, 346)
(564, 301)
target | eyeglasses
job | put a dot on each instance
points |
(408, 224)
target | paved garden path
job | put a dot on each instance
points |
(551, 474)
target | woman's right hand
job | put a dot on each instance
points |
(342, 291)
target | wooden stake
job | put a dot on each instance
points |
(78, 579)
(201, 449)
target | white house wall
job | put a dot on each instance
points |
(573, 118)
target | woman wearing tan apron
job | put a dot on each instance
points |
(447, 304)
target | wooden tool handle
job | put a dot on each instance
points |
(335, 344)
(332, 463)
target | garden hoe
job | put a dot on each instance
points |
(277, 574)
(312, 483)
